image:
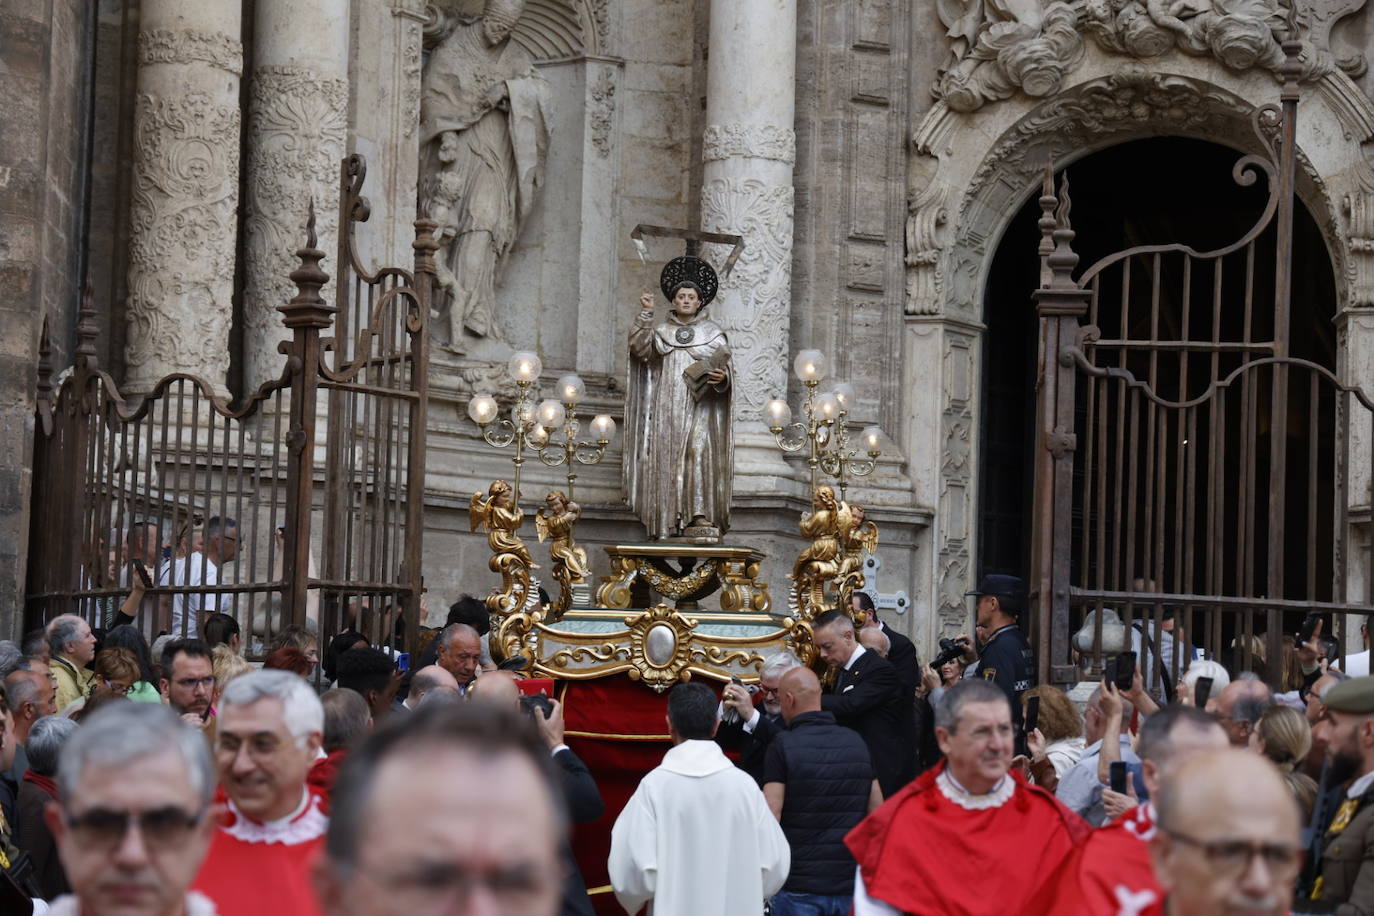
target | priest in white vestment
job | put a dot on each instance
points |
(697, 838)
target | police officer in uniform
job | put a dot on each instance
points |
(1347, 858)
(1006, 657)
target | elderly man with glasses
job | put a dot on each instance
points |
(749, 727)
(133, 819)
(270, 728)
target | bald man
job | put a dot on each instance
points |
(427, 679)
(819, 783)
(1239, 707)
(497, 687)
(1227, 840)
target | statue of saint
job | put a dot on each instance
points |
(483, 139)
(678, 454)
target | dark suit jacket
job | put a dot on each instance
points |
(752, 748)
(868, 698)
(584, 806)
(901, 654)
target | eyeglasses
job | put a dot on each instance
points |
(121, 689)
(160, 828)
(1233, 857)
(768, 691)
(191, 683)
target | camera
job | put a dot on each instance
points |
(536, 701)
(949, 651)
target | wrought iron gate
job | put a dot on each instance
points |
(321, 468)
(1192, 466)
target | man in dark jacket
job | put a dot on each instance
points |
(819, 784)
(867, 697)
(1006, 658)
(901, 653)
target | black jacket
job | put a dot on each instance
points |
(901, 654)
(753, 747)
(584, 806)
(867, 697)
(827, 776)
(1007, 661)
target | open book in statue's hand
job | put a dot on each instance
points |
(695, 375)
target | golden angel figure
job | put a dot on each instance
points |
(859, 536)
(819, 562)
(509, 555)
(555, 523)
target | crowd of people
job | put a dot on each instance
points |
(183, 779)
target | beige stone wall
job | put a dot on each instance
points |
(42, 128)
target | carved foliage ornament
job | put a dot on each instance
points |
(1002, 47)
(297, 130)
(181, 46)
(749, 141)
(182, 217)
(756, 298)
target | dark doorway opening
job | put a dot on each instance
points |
(1153, 191)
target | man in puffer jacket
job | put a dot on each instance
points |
(819, 783)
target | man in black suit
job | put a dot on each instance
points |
(749, 727)
(901, 654)
(867, 697)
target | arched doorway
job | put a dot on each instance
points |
(1153, 191)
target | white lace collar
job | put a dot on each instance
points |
(999, 796)
(304, 824)
(197, 904)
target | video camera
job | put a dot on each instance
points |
(949, 651)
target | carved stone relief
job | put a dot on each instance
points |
(956, 480)
(749, 141)
(602, 111)
(179, 46)
(297, 131)
(184, 199)
(998, 49)
(756, 299)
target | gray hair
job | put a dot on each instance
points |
(950, 708)
(346, 718)
(120, 733)
(61, 631)
(780, 663)
(454, 629)
(301, 709)
(22, 687)
(11, 657)
(1336, 675)
(46, 738)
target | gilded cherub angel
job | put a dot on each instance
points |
(555, 523)
(501, 520)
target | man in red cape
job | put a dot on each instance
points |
(967, 838)
(270, 725)
(1109, 873)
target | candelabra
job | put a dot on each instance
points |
(528, 425)
(824, 432)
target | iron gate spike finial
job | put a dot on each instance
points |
(307, 308)
(87, 329)
(311, 240)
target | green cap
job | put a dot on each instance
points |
(1353, 696)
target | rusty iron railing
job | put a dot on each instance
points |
(1187, 463)
(321, 468)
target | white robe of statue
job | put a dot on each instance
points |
(697, 839)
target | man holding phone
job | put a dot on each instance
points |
(1081, 787)
(1113, 863)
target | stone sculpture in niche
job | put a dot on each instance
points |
(484, 133)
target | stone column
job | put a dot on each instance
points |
(297, 131)
(749, 149)
(183, 211)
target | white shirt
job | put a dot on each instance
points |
(858, 650)
(1356, 665)
(191, 570)
(697, 838)
(1360, 786)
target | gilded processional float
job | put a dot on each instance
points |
(614, 647)
(645, 619)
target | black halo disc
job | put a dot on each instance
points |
(691, 268)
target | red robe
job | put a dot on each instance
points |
(1108, 874)
(253, 869)
(324, 771)
(922, 853)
